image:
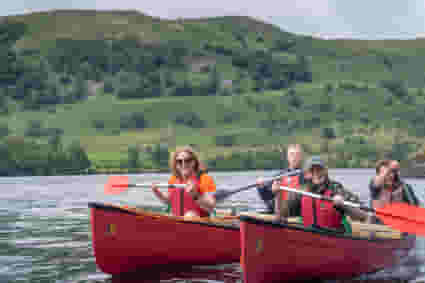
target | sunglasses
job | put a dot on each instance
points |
(182, 161)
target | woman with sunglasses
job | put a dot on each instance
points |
(194, 200)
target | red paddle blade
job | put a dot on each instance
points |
(403, 217)
(116, 185)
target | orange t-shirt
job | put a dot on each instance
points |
(206, 183)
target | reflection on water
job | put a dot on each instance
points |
(45, 230)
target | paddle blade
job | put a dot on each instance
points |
(116, 185)
(403, 217)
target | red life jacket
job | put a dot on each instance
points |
(291, 182)
(187, 202)
(326, 215)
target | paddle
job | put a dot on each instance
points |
(221, 195)
(119, 184)
(400, 216)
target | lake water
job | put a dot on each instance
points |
(45, 230)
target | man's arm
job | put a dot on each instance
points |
(374, 190)
(409, 195)
(266, 194)
(347, 195)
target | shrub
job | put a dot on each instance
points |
(98, 124)
(108, 87)
(190, 119)
(134, 120)
(34, 129)
(4, 131)
(396, 87)
(229, 117)
(160, 155)
(133, 157)
(225, 140)
(328, 133)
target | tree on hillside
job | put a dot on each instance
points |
(4, 107)
(135, 120)
(215, 81)
(160, 155)
(78, 156)
(396, 87)
(4, 130)
(35, 129)
(303, 70)
(134, 157)
(284, 44)
(80, 88)
(55, 141)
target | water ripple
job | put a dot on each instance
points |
(45, 230)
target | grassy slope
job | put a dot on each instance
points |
(332, 61)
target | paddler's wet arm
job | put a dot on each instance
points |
(355, 213)
(348, 195)
(162, 196)
(265, 188)
(265, 192)
(207, 202)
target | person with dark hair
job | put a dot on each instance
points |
(387, 186)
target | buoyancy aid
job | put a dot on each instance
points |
(181, 201)
(290, 182)
(320, 212)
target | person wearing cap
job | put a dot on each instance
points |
(321, 212)
(273, 199)
(387, 187)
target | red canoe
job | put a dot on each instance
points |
(126, 240)
(276, 252)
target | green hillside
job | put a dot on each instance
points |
(234, 87)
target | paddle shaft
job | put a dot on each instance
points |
(321, 197)
(161, 186)
(221, 195)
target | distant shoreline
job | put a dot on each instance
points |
(406, 172)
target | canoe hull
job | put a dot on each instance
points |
(273, 252)
(126, 241)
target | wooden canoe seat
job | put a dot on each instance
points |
(373, 231)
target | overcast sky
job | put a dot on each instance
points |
(367, 19)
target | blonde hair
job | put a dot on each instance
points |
(173, 162)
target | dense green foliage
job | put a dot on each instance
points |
(130, 88)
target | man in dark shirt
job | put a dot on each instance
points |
(294, 156)
(387, 186)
